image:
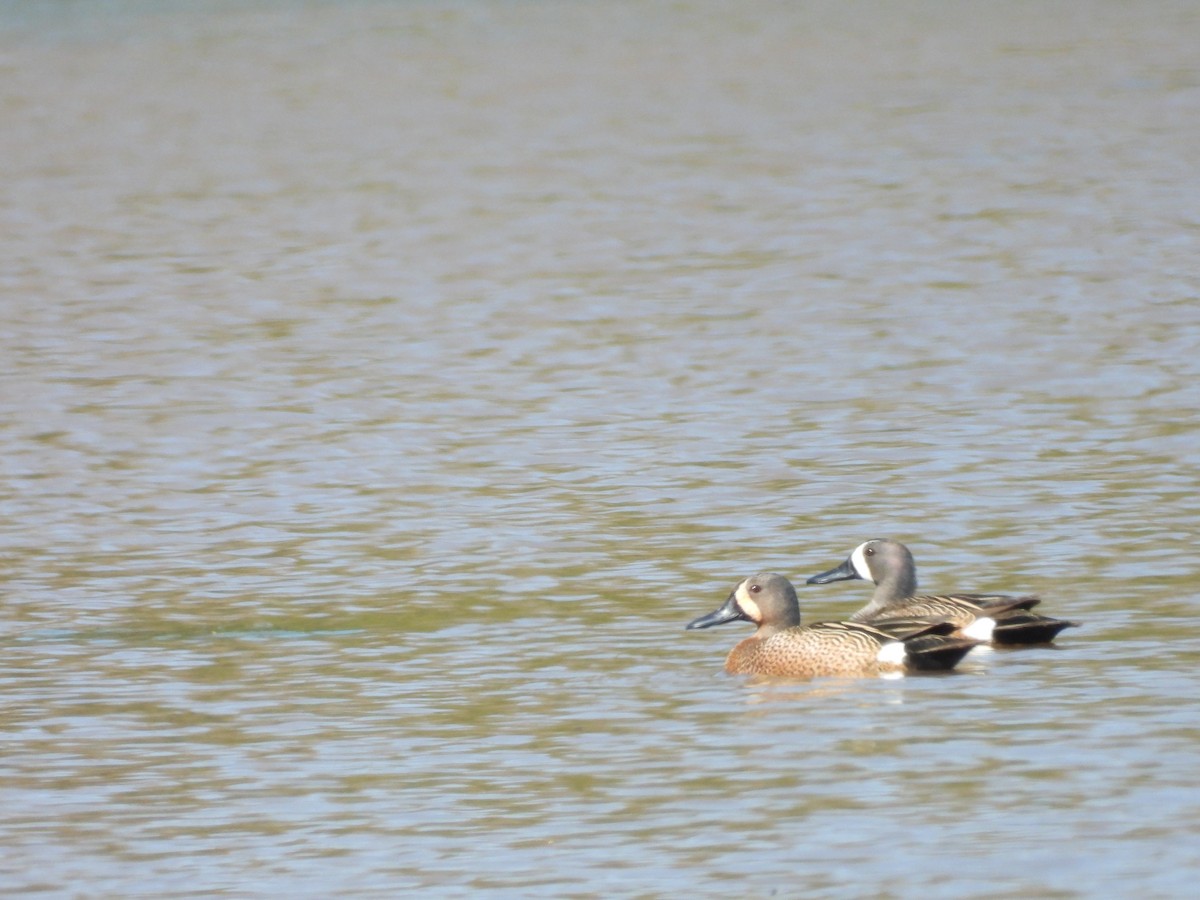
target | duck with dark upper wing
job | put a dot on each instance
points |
(782, 647)
(890, 567)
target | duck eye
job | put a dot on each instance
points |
(755, 588)
(870, 551)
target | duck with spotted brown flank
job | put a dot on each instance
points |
(782, 647)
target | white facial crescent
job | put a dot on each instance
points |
(749, 607)
(859, 560)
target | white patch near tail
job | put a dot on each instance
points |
(981, 629)
(892, 654)
(859, 560)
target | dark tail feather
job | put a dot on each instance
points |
(937, 653)
(904, 627)
(1000, 606)
(1028, 629)
(1001, 602)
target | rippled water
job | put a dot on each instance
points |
(387, 385)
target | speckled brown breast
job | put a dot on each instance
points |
(810, 651)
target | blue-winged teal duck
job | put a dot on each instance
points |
(890, 567)
(782, 647)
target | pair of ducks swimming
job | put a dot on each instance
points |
(898, 631)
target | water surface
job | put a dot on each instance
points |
(387, 385)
